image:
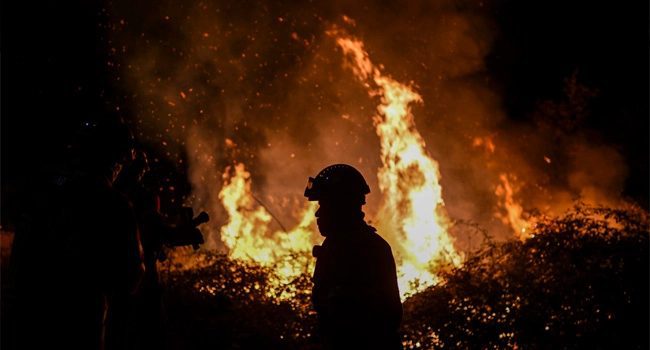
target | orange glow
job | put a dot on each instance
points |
(513, 217)
(412, 209)
(485, 142)
(248, 237)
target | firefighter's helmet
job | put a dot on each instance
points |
(337, 181)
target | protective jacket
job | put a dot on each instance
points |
(74, 261)
(355, 290)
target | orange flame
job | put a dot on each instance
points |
(412, 211)
(246, 234)
(412, 208)
(506, 192)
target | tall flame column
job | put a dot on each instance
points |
(412, 206)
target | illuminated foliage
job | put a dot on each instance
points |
(579, 282)
(224, 303)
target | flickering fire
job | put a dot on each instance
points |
(513, 217)
(411, 213)
(412, 208)
(248, 236)
(190, 95)
(509, 209)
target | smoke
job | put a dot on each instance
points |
(214, 82)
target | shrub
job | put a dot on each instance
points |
(580, 283)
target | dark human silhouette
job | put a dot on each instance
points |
(147, 311)
(76, 256)
(355, 289)
(145, 306)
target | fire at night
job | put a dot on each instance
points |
(366, 175)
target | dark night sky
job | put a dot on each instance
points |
(54, 73)
(543, 41)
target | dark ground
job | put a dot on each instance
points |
(580, 283)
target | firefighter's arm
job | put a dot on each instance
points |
(389, 290)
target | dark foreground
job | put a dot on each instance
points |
(580, 283)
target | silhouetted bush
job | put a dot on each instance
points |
(580, 283)
(226, 304)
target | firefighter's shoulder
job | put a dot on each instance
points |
(378, 243)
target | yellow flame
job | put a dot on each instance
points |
(513, 217)
(246, 234)
(412, 207)
(412, 211)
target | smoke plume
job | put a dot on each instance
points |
(212, 83)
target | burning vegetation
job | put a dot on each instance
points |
(516, 218)
(573, 284)
(246, 110)
(411, 209)
(568, 286)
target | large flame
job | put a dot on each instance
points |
(248, 236)
(412, 208)
(411, 215)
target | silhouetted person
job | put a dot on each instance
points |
(76, 256)
(355, 289)
(156, 232)
(146, 305)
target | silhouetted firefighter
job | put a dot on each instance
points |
(355, 289)
(76, 256)
(155, 233)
